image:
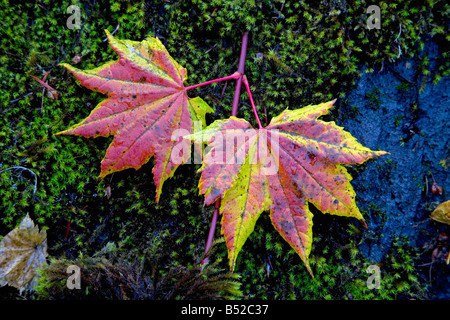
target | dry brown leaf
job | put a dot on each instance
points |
(22, 251)
(442, 213)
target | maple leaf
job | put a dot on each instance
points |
(22, 251)
(146, 109)
(296, 159)
(442, 213)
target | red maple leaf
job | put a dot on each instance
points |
(147, 108)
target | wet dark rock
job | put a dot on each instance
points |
(412, 125)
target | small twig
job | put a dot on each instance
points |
(23, 168)
(210, 48)
(265, 115)
(115, 30)
(20, 98)
(223, 89)
(211, 15)
(426, 185)
(399, 33)
(432, 177)
(401, 76)
(424, 264)
(398, 36)
(42, 100)
(421, 222)
(13, 55)
(67, 229)
(45, 84)
(429, 273)
(247, 87)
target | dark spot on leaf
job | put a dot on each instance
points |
(312, 157)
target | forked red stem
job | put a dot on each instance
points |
(237, 93)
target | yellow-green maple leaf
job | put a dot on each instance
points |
(296, 159)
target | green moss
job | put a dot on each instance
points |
(377, 215)
(283, 63)
(404, 86)
(340, 270)
(398, 119)
(398, 275)
(373, 99)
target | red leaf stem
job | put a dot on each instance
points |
(235, 75)
(247, 86)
